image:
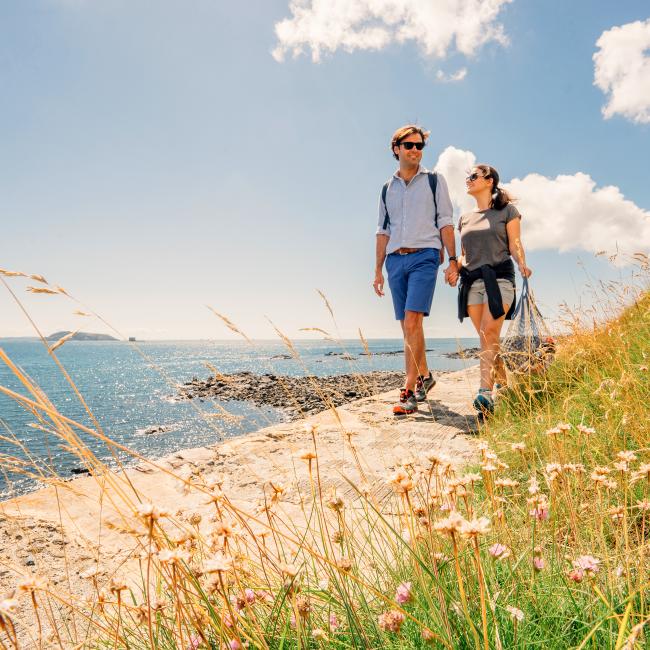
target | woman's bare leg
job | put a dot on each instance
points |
(489, 331)
(475, 313)
(499, 371)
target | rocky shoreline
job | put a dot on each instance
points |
(297, 396)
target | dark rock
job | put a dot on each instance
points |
(389, 353)
(79, 470)
(466, 353)
(158, 428)
(271, 390)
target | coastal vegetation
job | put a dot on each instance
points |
(80, 336)
(543, 542)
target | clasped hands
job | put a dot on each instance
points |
(451, 274)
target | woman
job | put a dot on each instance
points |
(490, 238)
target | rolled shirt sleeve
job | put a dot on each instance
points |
(445, 207)
(380, 220)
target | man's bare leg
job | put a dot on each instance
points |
(414, 348)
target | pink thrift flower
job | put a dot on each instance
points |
(586, 563)
(234, 644)
(499, 551)
(391, 621)
(195, 642)
(264, 595)
(538, 563)
(403, 593)
(539, 503)
(227, 619)
(334, 623)
(249, 594)
(576, 575)
(427, 634)
(540, 513)
(515, 612)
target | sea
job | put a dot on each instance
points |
(131, 389)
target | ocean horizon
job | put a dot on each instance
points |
(132, 389)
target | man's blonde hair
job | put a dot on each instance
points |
(404, 132)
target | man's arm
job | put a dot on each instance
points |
(380, 256)
(449, 242)
(445, 211)
(383, 235)
(446, 227)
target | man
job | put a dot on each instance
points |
(415, 220)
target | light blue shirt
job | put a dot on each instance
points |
(412, 212)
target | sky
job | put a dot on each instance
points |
(161, 156)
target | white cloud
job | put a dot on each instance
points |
(622, 70)
(454, 164)
(565, 213)
(459, 75)
(437, 26)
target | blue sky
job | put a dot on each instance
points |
(156, 158)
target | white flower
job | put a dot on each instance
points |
(150, 511)
(516, 613)
(218, 564)
(8, 606)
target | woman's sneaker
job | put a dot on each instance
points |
(498, 391)
(423, 386)
(483, 402)
(407, 403)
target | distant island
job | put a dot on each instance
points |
(81, 336)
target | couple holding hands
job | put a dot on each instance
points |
(415, 223)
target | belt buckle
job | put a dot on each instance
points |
(401, 252)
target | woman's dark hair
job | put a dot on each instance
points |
(500, 198)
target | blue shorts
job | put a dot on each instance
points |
(412, 280)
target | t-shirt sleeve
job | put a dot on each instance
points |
(512, 213)
(460, 223)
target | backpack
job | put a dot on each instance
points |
(433, 184)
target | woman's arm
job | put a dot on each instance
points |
(461, 257)
(513, 229)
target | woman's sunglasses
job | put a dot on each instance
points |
(474, 176)
(409, 145)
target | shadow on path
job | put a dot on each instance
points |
(436, 411)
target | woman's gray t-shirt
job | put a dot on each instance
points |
(483, 236)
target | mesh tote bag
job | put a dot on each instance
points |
(528, 345)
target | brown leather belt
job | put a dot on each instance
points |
(406, 251)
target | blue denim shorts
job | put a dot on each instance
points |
(412, 280)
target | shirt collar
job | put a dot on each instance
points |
(421, 170)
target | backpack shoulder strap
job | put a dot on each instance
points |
(433, 184)
(384, 191)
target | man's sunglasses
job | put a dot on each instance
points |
(409, 145)
(474, 176)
